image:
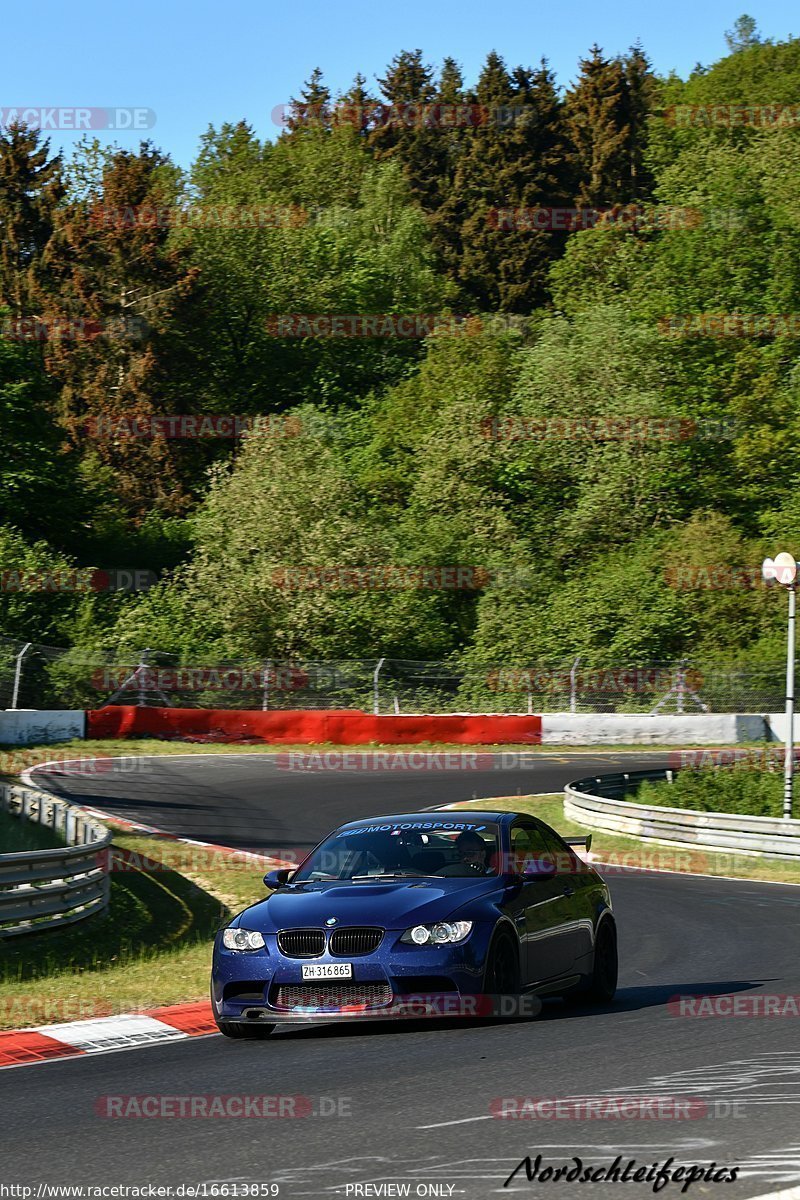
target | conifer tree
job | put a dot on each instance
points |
(313, 109)
(599, 124)
(743, 35)
(641, 101)
(31, 187)
(357, 107)
(513, 163)
(409, 127)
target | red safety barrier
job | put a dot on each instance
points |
(342, 727)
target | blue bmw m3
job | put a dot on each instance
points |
(436, 913)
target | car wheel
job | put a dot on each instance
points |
(599, 987)
(233, 1029)
(502, 974)
(603, 982)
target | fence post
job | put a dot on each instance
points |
(679, 685)
(573, 690)
(18, 673)
(141, 702)
(376, 700)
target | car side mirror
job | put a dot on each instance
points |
(276, 879)
(539, 868)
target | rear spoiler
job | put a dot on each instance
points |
(580, 841)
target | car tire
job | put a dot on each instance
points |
(501, 977)
(600, 987)
(234, 1029)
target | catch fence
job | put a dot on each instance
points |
(44, 677)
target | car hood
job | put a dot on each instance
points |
(393, 905)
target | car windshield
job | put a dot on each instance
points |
(406, 849)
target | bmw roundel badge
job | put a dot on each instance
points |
(331, 921)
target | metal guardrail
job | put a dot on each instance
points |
(44, 889)
(597, 803)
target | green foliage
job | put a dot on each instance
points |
(39, 596)
(602, 476)
(38, 480)
(740, 790)
(356, 248)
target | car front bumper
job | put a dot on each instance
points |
(396, 981)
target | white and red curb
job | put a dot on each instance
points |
(102, 1035)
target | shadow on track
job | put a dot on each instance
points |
(630, 999)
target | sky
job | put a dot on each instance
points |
(202, 63)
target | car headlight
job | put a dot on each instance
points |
(442, 934)
(242, 939)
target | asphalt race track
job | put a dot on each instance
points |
(263, 802)
(411, 1104)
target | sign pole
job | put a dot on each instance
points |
(783, 570)
(788, 765)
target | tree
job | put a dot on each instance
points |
(743, 35)
(126, 295)
(599, 122)
(257, 584)
(357, 107)
(31, 188)
(511, 165)
(409, 127)
(41, 494)
(641, 93)
(313, 109)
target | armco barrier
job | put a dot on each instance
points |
(343, 727)
(41, 889)
(597, 804)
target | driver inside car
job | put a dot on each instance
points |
(472, 850)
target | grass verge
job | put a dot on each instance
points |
(15, 759)
(151, 947)
(17, 834)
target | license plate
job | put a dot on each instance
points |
(328, 971)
